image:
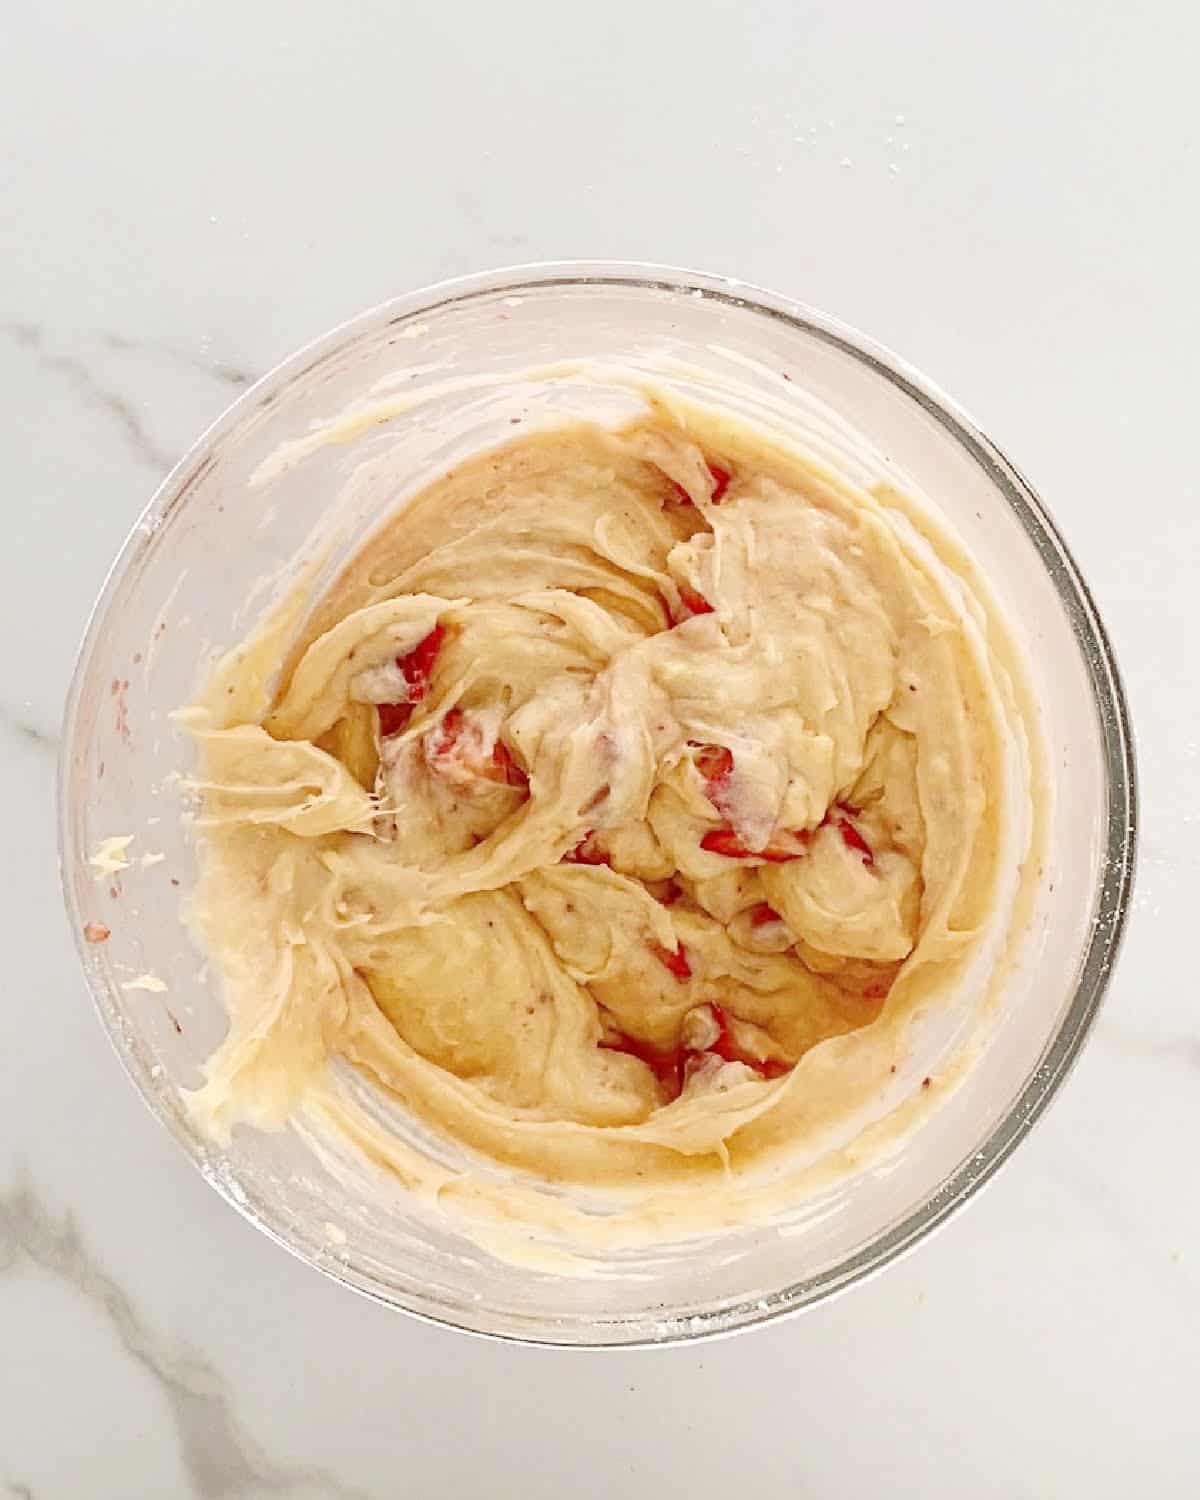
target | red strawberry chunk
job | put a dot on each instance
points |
(727, 1049)
(694, 603)
(675, 963)
(394, 717)
(839, 816)
(416, 668)
(782, 846)
(720, 483)
(773, 1067)
(724, 841)
(455, 752)
(854, 840)
(502, 768)
(671, 1065)
(714, 762)
(665, 892)
(588, 851)
(665, 1063)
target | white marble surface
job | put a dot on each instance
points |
(1006, 195)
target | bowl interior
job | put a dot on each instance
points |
(203, 561)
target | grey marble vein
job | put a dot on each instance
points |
(229, 374)
(221, 1458)
(14, 1490)
(22, 728)
(28, 336)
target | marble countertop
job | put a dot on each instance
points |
(1005, 195)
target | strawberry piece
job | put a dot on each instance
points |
(728, 1050)
(416, 668)
(724, 1045)
(720, 483)
(694, 603)
(854, 840)
(444, 752)
(456, 753)
(781, 848)
(671, 1065)
(725, 841)
(665, 1063)
(714, 762)
(394, 717)
(762, 915)
(588, 851)
(503, 769)
(675, 963)
(665, 892)
(850, 835)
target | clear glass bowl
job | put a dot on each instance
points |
(189, 581)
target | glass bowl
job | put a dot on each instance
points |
(198, 568)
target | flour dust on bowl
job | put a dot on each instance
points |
(596, 806)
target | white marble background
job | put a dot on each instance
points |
(1005, 194)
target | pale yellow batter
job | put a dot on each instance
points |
(621, 770)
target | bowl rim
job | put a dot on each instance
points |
(1114, 888)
